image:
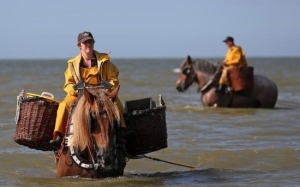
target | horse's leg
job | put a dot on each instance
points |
(213, 99)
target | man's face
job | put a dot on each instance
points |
(87, 46)
(229, 44)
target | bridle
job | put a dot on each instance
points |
(207, 84)
(186, 71)
(97, 154)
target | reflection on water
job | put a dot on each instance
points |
(230, 147)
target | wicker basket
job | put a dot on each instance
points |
(35, 120)
(242, 79)
(150, 130)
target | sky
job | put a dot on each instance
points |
(147, 29)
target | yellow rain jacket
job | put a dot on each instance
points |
(235, 57)
(104, 70)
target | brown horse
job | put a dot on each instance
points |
(91, 148)
(205, 74)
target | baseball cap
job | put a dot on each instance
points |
(228, 38)
(84, 36)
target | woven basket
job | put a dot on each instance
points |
(242, 79)
(35, 123)
(150, 131)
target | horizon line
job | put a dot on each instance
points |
(118, 58)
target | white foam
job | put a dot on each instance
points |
(176, 70)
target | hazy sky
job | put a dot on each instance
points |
(153, 28)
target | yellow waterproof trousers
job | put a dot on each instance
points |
(224, 80)
(64, 109)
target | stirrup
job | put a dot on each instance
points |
(222, 89)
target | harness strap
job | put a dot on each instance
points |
(207, 84)
(80, 162)
(76, 73)
(100, 72)
(78, 78)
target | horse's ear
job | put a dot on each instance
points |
(189, 60)
(89, 97)
(114, 93)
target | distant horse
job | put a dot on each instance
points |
(91, 148)
(205, 74)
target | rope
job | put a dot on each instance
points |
(19, 101)
(288, 103)
(168, 162)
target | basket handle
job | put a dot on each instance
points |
(47, 94)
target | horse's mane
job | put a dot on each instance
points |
(201, 65)
(80, 117)
(205, 66)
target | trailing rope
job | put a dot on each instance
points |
(168, 162)
(288, 103)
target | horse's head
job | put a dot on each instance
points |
(95, 125)
(187, 75)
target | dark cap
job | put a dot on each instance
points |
(84, 36)
(228, 39)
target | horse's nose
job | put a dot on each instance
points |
(106, 160)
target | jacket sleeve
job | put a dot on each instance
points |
(111, 73)
(69, 82)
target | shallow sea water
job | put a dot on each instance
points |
(229, 147)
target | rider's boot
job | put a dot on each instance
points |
(57, 142)
(222, 89)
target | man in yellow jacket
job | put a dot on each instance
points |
(235, 57)
(90, 67)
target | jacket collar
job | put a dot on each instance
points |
(101, 58)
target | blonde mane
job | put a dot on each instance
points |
(81, 131)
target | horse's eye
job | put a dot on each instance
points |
(186, 71)
(103, 114)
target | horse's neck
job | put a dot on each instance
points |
(203, 78)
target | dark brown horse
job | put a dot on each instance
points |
(91, 148)
(205, 73)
